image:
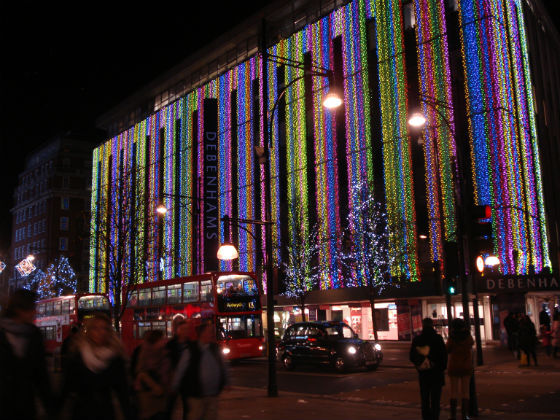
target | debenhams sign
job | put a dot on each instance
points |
(519, 283)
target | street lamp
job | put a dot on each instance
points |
(419, 120)
(330, 102)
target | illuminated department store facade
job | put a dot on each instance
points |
(470, 57)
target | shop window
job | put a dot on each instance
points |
(382, 319)
(337, 316)
(64, 203)
(63, 244)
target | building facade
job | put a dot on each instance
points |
(466, 65)
(51, 211)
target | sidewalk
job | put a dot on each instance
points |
(504, 391)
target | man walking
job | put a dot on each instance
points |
(202, 374)
(429, 356)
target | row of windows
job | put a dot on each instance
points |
(49, 332)
(173, 294)
(57, 307)
(31, 211)
(23, 251)
(31, 230)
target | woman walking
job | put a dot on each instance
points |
(460, 366)
(96, 368)
(555, 334)
(528, 338)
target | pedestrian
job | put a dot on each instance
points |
(95, 370)
(528, 338)
(23, 368)
(460, 366)
(546, 339)
(66, 344)
(429, 356)
(544, 317)
(151, 380)
(202, 374)
(511, 324)
(184, 336)
(555, 334)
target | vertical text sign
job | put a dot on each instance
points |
(211, 193)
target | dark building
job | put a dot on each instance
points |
(482, 73)
(51, 211)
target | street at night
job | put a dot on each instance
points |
(280, 209)
(504, 390)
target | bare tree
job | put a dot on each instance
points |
(302, 269)
(126, 239)
(59, 279)
(364, 253)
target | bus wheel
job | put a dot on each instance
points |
(288, 362)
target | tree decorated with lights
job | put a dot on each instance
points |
(59, 279)
(126, 240)
(302, 269)
(364, 252)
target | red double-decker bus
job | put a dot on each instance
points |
(230, 299)
(55, 316)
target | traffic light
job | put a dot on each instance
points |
(481, 230)
(451, 286)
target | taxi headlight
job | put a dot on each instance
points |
(226, 350)
(377, 347)
(352, 350)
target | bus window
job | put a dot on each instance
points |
(72, 305)
(236, 285)
(48, 308)
(206, 291)
(65, 307)
(133, 298)
(159, 325)
(174, 294)
(190, 292)
(142, 328)
(144, 296)
(240, 326)
(56, 308)
(41, 310)
(158, 296)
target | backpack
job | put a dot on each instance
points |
(426, 363)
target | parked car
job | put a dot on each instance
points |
(330, 343)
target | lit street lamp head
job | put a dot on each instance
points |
(491, 261)
(161, 209)
(227, 252)
(332, 100)
(417, 120)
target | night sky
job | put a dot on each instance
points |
(61, 68)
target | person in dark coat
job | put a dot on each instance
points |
(95, 369)
(203, 372)
(428, 355)
(23, 367)
(184, 337)
(460, 366)
(528, 338)
(512, 329)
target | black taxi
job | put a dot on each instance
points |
(328, 342)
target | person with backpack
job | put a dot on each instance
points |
(460, 368)
(202, 374)
(429, 356)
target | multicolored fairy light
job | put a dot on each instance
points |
(165, 150)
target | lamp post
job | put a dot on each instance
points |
(417, 119)
(481, 263)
